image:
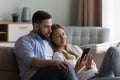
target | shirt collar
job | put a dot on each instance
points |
(34, 35)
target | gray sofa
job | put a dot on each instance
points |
(93, 37)
(87, 35)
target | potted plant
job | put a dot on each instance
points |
(15, 17)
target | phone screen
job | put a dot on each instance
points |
(85, 51)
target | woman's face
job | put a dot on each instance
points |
(59, 37)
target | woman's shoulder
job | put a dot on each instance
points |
(58, 56)
(73, 46)
(76, 48)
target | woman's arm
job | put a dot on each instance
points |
(80, 63)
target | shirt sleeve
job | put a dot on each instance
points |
(24, 51)
(58, 56)
(77, 49)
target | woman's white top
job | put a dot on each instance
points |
(48, 50)
(84, 73)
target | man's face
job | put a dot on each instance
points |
(44, 28)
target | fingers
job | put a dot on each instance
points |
(59, 66)
(79, 59)
(89, 61)
(90, 57)
(67, 64)
(85, 58)
(62, 64)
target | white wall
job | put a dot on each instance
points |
(107, 14)
(64, 12)
(111, 16)
(7, 7)
(116, 20)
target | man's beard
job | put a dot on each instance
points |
(42, 35)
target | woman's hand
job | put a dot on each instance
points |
(81, 63)
(89, 61)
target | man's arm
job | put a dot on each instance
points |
(36, 62)
(25, 53)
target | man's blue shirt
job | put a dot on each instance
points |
(27, 47)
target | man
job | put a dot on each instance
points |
(34, 53)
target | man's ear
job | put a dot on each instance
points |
(35, 26)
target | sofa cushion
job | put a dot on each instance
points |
(78, 35)
(9, 75)
(7, 59)
(8, 64)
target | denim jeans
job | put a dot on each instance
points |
(54, 73)
(111, 63)
(110, 66)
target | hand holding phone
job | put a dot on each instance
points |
(85, 51)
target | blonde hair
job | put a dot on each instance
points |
(68, 54)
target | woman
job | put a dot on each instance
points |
(85, 69)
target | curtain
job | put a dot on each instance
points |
(90, 13)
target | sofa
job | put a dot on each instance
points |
(93, 37)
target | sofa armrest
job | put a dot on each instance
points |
(98, 51)
(99, 48)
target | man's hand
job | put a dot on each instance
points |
(61, 64)
(37, 62)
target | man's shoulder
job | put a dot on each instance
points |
(24, 38)
(28, 36)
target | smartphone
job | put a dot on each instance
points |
(85, 51)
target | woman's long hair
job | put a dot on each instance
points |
(68, 52)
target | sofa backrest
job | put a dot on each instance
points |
(8, 64)
(78, 35)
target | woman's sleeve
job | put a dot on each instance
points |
(93, 66)
(58, 56)
(77, 49)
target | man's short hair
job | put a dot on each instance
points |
(38, 16)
